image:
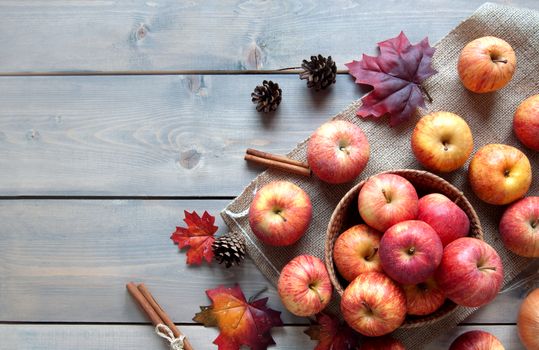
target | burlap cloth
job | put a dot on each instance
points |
(489, 116)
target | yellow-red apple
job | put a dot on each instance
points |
(471, 272)
(356, 251)
(280, 213)
(304, 286)
(442, 141)
(338, 151)
(387, 199)
(500, 174)
(423, 298)
(519, 227)
(476, 340)
(410, 251)
(526, 122)
(373, 304)
(486, 64)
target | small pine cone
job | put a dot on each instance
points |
(229, 249)
(320, 72)
(267, 96)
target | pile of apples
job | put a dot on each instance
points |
(408, 256)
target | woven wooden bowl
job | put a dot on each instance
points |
(346, 215)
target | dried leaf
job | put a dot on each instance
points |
(198, 236)
(396, 76)
(332, 334)
(240, 322)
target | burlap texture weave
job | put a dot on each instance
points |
(489, 116)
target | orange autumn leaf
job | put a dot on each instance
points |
(198, 236)
(240, 322)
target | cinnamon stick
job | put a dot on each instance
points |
(294, 169)
(144, 304)
(164, 317)
(276, 157)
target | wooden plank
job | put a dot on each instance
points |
(58, 257)
(118, 337)
(148, 135)
(69, 261)
(168, 35)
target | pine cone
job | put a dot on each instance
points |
(229, 249)
(320, 72)
(267, 96)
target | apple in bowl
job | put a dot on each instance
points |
(338, 151)
(519, 227)
(373, 304)
(476, 340)
(387, 199)
(470, 273)
(486, 64)
(526, 122)
(499, 174)
(280, 213)
(356, 251)
(304, 286)
(410, 251)
(444, 216)
(442, 141)
(423, 298)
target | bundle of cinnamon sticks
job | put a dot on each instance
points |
(278, 162)
(154, 311)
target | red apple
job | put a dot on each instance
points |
(280, 213)
(423, 298)
(410, 251)
(338, 151)
(526, 122)
(445, 217)
(486, 64)
(387, 199)
(304, 286)
(476, 340)
(381, 343)
(500, 174)
(356, 251)
(471, 272)
(519, 227)
(442, 141)
(373, 304)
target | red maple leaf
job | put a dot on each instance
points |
(396, 76)
(240, 322)
(332, 334)
(198, 235)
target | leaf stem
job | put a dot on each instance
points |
(254, 297)
(287, 68)
(422, 88)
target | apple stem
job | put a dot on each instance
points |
(445, 146)
(500, 60)
(282, 217)
(411, 251)
(374, 251)
(422, 88)
(493, 268)
(317, 294)
(366, 306)
(388, 198)
(534, 223)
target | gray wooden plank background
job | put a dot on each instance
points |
(159, 123)
(120, 337)
(168, 35)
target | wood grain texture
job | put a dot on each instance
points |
(168, 35)
(118, 337)
(149, 135)
(69, 261)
